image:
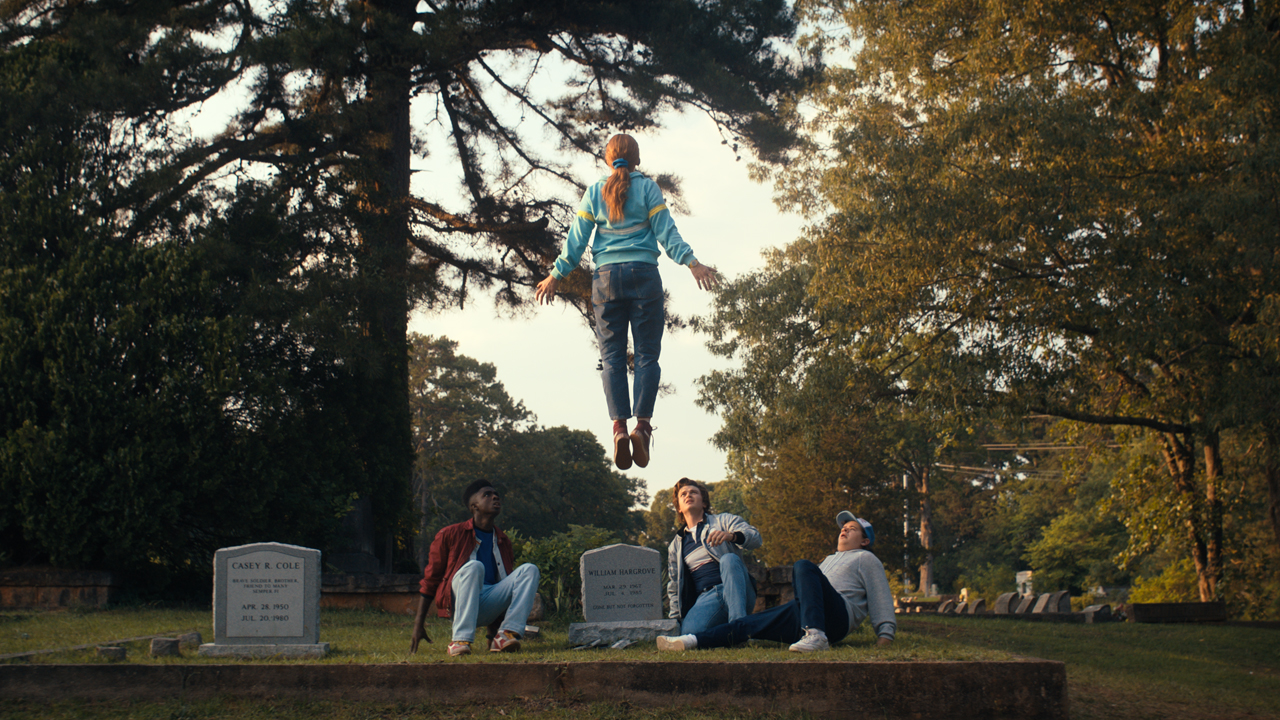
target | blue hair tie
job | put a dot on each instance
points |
(620, 163)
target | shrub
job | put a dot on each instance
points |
(557, 558)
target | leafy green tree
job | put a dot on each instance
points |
(1079, 194)
(342, 99)
(145, 418)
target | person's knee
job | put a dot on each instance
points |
(528, 570)
(732, 565)
(804, 566)
(469, 570)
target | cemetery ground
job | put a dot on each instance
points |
(1114, 670)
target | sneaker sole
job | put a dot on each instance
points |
(640, 451)
(510, 647)
(622, 452)
(795, 649)
(670, 644)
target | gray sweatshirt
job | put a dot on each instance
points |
(859, 578)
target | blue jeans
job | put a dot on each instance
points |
(731, 599)
(622, 295)
(475, 603)
(817, 605)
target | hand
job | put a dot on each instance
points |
(715, 537)
(884, 642)
(546, 291)
(706, 276)
(419, 633)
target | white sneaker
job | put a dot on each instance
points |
(813, 641)
(676, 644)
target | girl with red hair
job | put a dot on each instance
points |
(625, 220)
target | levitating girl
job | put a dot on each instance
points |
(631, 221)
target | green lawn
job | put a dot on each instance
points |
(1126, 670)
(1116, 670)
(373, 637)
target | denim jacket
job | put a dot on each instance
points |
(675, 557)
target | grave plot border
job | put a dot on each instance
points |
(990, 690)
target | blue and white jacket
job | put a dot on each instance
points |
(727, 522)
(646, 225)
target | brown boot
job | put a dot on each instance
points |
(641, 437)
(622, 445)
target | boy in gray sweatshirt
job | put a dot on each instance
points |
(831, 599)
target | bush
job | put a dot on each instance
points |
(1177, 583)
(557, 558)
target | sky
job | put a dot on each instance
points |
(547, 358)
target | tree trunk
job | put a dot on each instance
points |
(1213, 516)
(926, 534)
(1181, 465)
(1271, 469)
(382, 363)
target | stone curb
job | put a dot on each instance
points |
(994, 690)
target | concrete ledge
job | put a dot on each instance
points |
(316, 650)
(49, 588)
(995, 690)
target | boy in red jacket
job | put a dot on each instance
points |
(470, 577)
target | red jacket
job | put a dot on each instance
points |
(449, 551)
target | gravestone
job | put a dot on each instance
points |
(266, 602)
(1004, 603)
(1097, 613)
(1023, 581)
(1059, 602)
(978, 607)
(1177, 612)
(1042, 604)
(165, 647)
(962, 608)
(1025, 603)
(947, 607)
(621, 582)
(621, 597)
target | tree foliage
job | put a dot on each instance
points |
(335, 105)
(158, 399)
(1078, 199)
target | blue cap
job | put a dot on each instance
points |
(846, 517)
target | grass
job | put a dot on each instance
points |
(1127, 670)
(357, 636)
(1117, 670)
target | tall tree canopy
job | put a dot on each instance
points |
(335, 105)
(1079, 199)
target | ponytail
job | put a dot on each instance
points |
(623, 154)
